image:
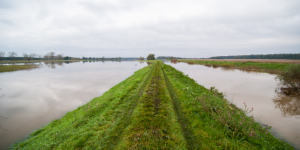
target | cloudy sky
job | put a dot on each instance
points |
(123, 28)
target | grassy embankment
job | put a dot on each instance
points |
(156, 108)
(254, 66)
(11, 68)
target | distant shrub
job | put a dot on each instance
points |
(215, 66)
(227, 65)
(174, 60)
(191, 63)
(151, 57)
(290, 79)
(216, 92)
(208, 65)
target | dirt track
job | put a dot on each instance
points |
(253, 60)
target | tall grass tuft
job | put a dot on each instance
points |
(289, 80)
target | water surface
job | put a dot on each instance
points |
(31, 99)
(257, 90)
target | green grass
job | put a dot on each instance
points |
(154, 124)
(207, 117)
(256, 66)
(11, 68)
(158, 107)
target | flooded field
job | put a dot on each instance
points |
(31, 99)
(258, 91)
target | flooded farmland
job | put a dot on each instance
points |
(257, 90)
(32, 98)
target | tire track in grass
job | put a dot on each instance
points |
(73, 125)
(154, 124)
(115, 134)
(184, 123)
(120, 104)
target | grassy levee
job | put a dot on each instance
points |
(11, 68)
(154, 124)
(113, 135)
(184, 122)
(213, 122)
(256, 66)
(88, 126)
(158, 107)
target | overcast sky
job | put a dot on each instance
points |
(123, 28)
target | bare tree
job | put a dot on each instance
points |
(2, 55)
(29, 57)
(32, 55)
(47, 56)
(39, 56)
(12, 55)
(52, 54)
(25, 56)
(60, 56)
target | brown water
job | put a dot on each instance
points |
(31, 99)
(257, 90)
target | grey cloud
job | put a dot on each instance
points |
(7, 22)
(6, 4)
(137, 28)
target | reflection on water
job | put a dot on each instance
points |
(229, 67)
(289, 105)
(53, 65)
(34, 98)
(258, 91)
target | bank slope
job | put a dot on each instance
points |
(156, 108)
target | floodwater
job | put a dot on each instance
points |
(31, 99)
(257, 90)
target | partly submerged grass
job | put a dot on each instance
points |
(156, 108)
(211, 121)
(11, 68)
(256, 66)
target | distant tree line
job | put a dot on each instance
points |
(168, 57)
(102, 58)
(260, 56)
(34, 56)
(54, 56)
(51, 56)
